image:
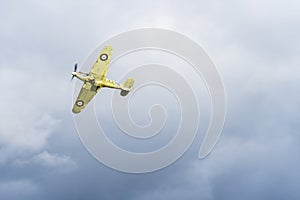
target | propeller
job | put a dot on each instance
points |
(75, 69)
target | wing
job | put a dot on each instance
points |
(87, 92)
(99, 70)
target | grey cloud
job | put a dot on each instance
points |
(16, 189)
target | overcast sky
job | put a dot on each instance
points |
(255, 46)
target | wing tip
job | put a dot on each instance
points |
(76, 111)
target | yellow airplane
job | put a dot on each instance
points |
(96, 79)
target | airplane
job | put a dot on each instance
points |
(96, 79)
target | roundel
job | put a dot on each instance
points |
(103, 57)
(79, 103)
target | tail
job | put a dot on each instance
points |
(126, 87)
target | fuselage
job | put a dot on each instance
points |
(99, 83)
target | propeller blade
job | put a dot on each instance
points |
(75, 67)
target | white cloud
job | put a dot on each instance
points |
(24, 134)
(62, 163)
(29, 100)
(54, 162)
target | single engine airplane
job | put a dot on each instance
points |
(96, 79)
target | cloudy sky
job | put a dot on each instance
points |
(255, 47)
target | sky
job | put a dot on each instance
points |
(255, 47)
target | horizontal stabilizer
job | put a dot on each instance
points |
(127, 86)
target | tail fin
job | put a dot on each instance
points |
(127, 86)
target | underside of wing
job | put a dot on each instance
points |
(86, 94)
(100, 67)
